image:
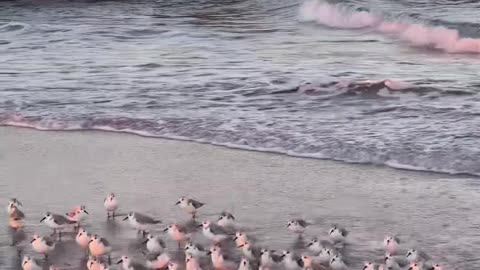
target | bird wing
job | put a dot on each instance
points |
(218, 229)
(152, 256)
(59, 219)
(302, 222)
(196, 203)
(275, 257)
(137, 266)
(48, 241)
(146, 219)
(104, 242)
(344, 231)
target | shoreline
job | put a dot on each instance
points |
(238, 148)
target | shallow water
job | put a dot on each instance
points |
(210, 71)
(56, 171)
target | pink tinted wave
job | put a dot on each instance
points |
(416, 34)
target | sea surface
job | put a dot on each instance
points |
(225, 72)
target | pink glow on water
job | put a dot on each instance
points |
(416, 34)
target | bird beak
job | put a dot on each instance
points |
(166, 229)
(235, 238)
(309, 244)
(177, 203)
(220, 218)
(119, 262)
(125, 218)
(90, 241)
(241, 246)
(283, 256)
(42, 219)
(201, 225)
(32, 240)
(85, 211)
(144, 242)
(208, 253)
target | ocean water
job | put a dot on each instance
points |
(224, 72)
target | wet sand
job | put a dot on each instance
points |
(54, 171)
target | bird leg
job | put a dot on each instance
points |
(109, 259)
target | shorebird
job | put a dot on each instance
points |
(189, 205)
(226, 220)
(196, 250)
(373, 266)
(172, 266)
(191, 263)
(241, 238)
(245, 264)
(178, 233)
(392, 262)
(56, 222)
(414, 255)
(297, 226)
(99, 246)
(16, 217)
(324, 256)
(93, 263)
(13, 202)
(42, 245)
(111, 205)
(28, 263)
(337, 263)
(291, 260)
(77, 215)
(83, 238)
(250, 252)
(157, 260)
(128, 264)
(268, 258)
(391, 243)
(154, 243)
(316, 245)
(219, 260)
(337, 234)
(213, 232)
(141, 222)
(307, 262)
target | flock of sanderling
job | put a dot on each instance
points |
(317, 254)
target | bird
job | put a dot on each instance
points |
(13, 202)
(240, 238)
(297, 226)
(83, 238)
(154, 243)
(141, 222)
(77, 215)
(226, 220)
(129, 264)
(392, 262)
(391, 244)
(15, 217)
(337, 263)
(173, 266)
(245, 265)
(316, 245)
(42, 245)
(157, 260)
(99, 246)
(56, 222)
(324, 256)
(93, 263)
(111, 205)
(214, 232)
(268, 258)
(220, 261)
(415, 255)
(191, 263)
(307, 262)
(337, 234)
(28, 263)
(189, 205)
(291, 260)
(250, 252)
(178, 233)
(373, 266)
(196, 250)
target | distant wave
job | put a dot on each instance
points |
(416, 34)
(148, 128)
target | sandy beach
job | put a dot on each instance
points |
(57, 170)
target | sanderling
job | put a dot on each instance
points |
(226, 219)
(42, 245)
(337, 263)
(99, 246)
(128, 264)
(56, 222)
(191, 263)
(324, 256)
(173, 266)
(78, 214)
(307, 262)
(141, 222)
(437, 267)
(241, 238)
(111, 205)
(83, 238)
(268, 258)
(297, 225)
(291, 260)
(28, 263)
(178, 233)
(154, 243)
(316, 245)
(244, 264)
(13, 202)
(189, 205)
(157, 260)
(250, 252)
(337, 234)
(219, 260)
(420, 266)
(214, 232)
(196, 250)
(16, 217)
(391, 243)
(93, 263)
(373, 266)
(415, 255)
(392, 262)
